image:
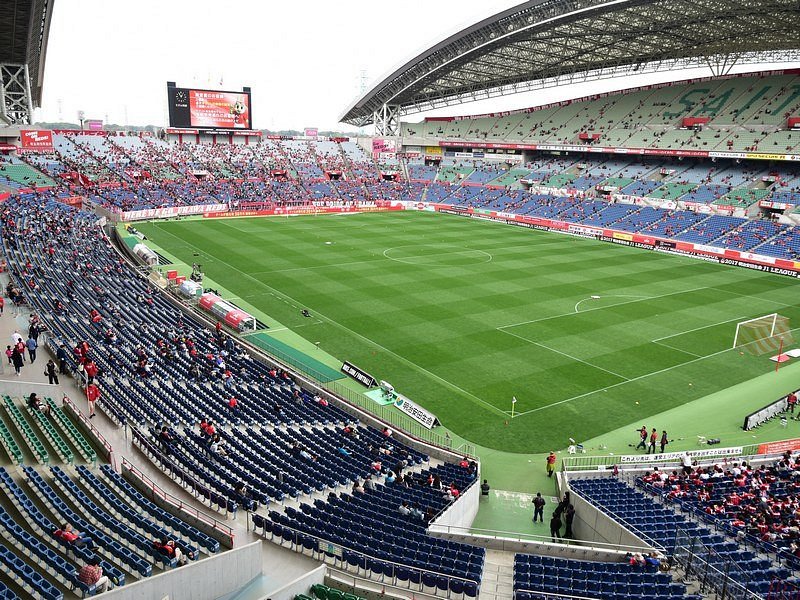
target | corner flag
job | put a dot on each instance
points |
(513, 402)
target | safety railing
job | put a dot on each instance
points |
(199, 490)
(722, 576)
(344, 558)
(99, 438)
(156, 491)
(538, 595)
(516, 537)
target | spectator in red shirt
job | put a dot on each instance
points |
(92, 394)
(233, 405)
(551, 463)
(171, 550)
(791, 401)
(91, 370)
(76, 538)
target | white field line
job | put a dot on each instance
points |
(776, 302)
(409, 260)
(314, 322)
(665, 370)
(342, 264)
(575, 358)
(697, 289)
(280, 295)
(666, 337)
(676, 349)
(579, 302)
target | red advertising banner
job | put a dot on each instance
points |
(302, 210)
(311, 132)
(36, 139)
(219, 109)
(779, 447)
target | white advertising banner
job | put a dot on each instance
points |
(416, 412)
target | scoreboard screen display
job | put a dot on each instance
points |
(208, 109)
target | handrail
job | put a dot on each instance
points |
(157, 490)
(298, 532)
(721, 582)
(571, 465)
(557, 596)
(360, 582)
(112, 457)
(525, 537)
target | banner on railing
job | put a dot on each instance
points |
(169, 212)
(416, 412)
(694, 454)
(359, 375)
(779, 447)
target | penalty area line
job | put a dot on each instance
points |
(640, 377)
(575, 358)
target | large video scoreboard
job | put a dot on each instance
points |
(209, 109)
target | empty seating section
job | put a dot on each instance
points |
(588, 579)
(369, 523)
(707, 230)
(659, 524)
(750, 234)
(744, 114)
(421, 172)
(16, 174)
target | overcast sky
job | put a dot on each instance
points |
(302, 59)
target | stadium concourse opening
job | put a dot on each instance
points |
(577, 305)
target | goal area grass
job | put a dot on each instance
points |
(461, 315)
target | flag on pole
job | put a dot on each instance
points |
(514, 399)
(513, 402)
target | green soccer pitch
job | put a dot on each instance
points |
(460, 315)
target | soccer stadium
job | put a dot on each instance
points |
(541, 353)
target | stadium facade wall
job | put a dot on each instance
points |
(461, 514)
(212, 577)
(301, 585)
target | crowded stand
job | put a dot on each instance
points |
(659, 524)
(132, 172)
(754, 504)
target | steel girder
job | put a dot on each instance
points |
(542, 43)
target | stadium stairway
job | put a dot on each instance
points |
(497, 579)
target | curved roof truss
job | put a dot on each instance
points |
(543, 43)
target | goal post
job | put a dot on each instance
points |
(763, 334)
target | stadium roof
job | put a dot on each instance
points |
(541, 43)
(24, 26)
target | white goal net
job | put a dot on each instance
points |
(763, 334)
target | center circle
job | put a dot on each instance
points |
(437, 255)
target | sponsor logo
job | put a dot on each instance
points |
(416, 412)
(359, 375)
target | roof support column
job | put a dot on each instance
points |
(387, 119)
(16, 106)
(721, 64)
